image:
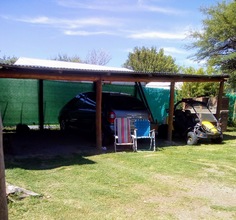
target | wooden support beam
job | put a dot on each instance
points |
(171, 110)
(3, 197)
(93, 75)
(219, 101)
(99, 115)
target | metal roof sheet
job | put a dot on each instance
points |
(60, 70)
(31, 62)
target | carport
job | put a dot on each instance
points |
(100, 76)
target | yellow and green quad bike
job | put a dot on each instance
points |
(194, 120)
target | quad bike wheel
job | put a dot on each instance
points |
(191, 138)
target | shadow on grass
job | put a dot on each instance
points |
(228, 137)
(35, 150)
(52, 149)
(180, 142)
(45, 164)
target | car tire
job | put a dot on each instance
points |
(191, 138)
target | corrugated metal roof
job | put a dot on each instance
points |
(60, 70)
(31, 62)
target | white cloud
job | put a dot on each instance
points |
(157, 35)
(155, 8)
(86, 33)
(188, 62)
(118, 6)
(38, 20)
(174, 50)
(70, 23)
(111, 6)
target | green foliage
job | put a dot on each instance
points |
(217, 41)
(8, 60)
(65, 57)
(150, 60)
(232, 111)
(197, 89)
(96, 57)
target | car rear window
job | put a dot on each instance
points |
(125, 103)
(119, 102)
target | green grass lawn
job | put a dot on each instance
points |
(180, 182)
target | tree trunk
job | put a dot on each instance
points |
(3, 197)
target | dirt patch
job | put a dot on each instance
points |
(190, 199)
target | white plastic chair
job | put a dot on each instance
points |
(122, 133)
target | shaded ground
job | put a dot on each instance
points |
(53, 143)
(47, 143)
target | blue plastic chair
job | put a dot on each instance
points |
(142, 131)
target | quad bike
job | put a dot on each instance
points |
(194, 121)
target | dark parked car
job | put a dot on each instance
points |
(80, 112)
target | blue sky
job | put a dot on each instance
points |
(45, 28)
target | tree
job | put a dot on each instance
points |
(98, 57)
(198, 89)
(150, 60)
(65, 57)
(216, 43)
(8, 60)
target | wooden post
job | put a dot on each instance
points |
(171, 110)
(3, 197)
(99, 115)
(219, 101)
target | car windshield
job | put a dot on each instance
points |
(204, 113)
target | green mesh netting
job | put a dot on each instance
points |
(19, 99)
(57, 94)
(158, 101)
(232, 105)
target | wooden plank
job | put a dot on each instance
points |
(99, 115)
(78, 75)
(171, 110)
(3, 198)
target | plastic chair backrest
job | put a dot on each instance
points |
(122, 130)
(143, 127)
